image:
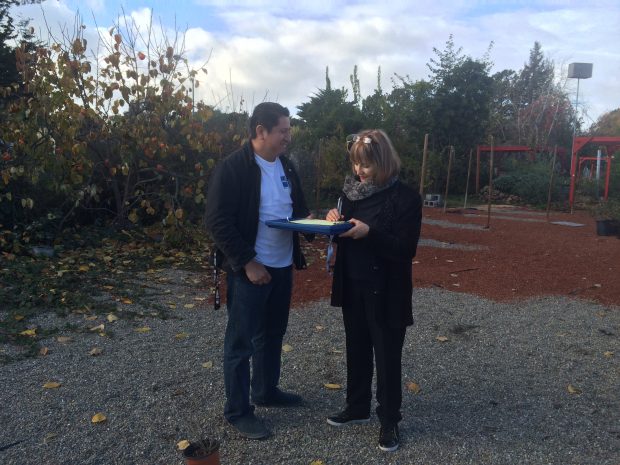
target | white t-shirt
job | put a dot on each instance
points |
(274, 247)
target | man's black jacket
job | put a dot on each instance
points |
(232, 207)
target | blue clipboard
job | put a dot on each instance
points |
(333, 229)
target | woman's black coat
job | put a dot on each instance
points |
(392, 243)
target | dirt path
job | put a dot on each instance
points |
(521, 255)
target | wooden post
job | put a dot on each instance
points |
(555, 152)
(445, 197)
(490, 184)
(318, 176)
(423, 169)
(478, 170)
(471, 151)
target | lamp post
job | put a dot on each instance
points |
(576, 71)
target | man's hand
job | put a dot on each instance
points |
(257, 273)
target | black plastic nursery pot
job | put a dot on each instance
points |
(607, 227)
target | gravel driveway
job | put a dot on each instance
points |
(534, 382)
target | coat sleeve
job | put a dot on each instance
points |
(400, 244)
(222, 210)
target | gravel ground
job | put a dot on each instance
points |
(496, 392)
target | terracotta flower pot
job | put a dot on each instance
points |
(206, 452)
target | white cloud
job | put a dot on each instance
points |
(280, 49)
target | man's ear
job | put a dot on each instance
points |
(261, 131)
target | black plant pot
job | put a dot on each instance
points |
(607, 227)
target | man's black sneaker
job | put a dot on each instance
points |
(251, 427)
(280, 398)
(389, 438)
(346, 418)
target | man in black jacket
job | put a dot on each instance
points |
(253, 185)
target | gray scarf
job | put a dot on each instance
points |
(357, 190)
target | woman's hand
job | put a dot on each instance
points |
(334, 215)
(358, 231)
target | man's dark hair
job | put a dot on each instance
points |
(266, 114)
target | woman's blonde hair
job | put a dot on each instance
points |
(373, 147)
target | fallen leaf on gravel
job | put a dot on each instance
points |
(95, 351)
(98, 418)
(188, 305)
(287, 348)
(100, 327)
(200, 299)
(333, 386)
(172, 305)
(319, 328)
(208, 364)
(181, 336)
(19, 317)
(317, 462)
(64, 339)
(414, 387)
(112, 317)
(109, 288)
(83, 268)
(49, 437)
(91, 317)
(573, 390)
(44, 351)
(442, 338)
(182, 445)
(608, 354)
(144, 329)
(29, 332)
(52, 385)
(127, 301)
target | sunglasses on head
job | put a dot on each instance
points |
(353, 138)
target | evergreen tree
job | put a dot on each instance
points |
(8, 70)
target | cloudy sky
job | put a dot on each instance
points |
(279, 50)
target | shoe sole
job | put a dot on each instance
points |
(351, 422)
(388, 449)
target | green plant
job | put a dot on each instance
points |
(607, 210)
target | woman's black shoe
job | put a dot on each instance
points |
(346, 418)
(389, 438)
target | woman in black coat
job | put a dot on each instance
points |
(373, 279)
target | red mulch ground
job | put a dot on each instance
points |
(521, 259)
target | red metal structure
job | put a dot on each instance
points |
(513, 149)
(609, 144)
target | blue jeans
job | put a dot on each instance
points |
(257, 321)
